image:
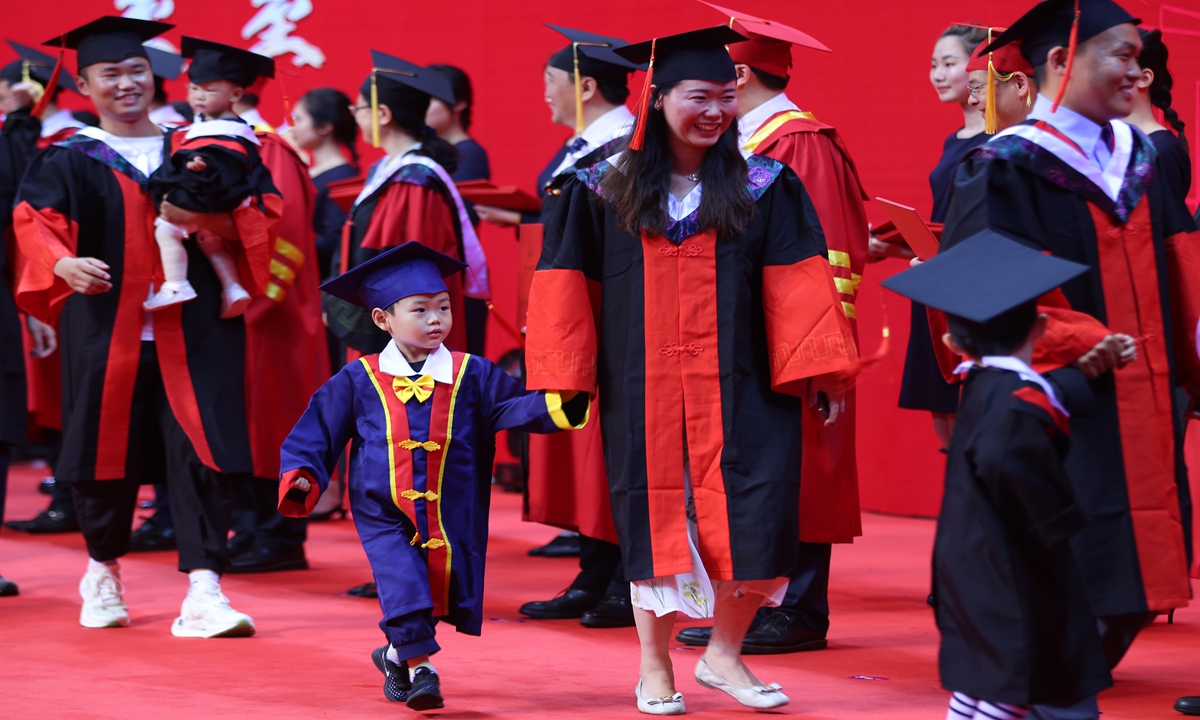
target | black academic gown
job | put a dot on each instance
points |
(82, 199)
(1126, 459)
(689, 336)
(1010, 603)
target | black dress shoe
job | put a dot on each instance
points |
(782, 632)
(614, 612)
(259, 560)
(426, 693)
(561, 546)
(152, 536)
(240, 542)
(366, 590)
(696, 636)
(47, 521)
(8, 588)
(46, 486)
(569, 605)
(1188, 705)
(396, 683)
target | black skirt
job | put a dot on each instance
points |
(923, 387)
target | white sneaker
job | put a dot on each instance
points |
(206, 614)
(172, 292)
(234, 301)
(103, 606)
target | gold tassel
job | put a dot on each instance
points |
(578, 91)
(36, 89)
(374, 110)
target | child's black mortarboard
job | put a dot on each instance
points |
(695, 55)
(410, 269)
(165, 65)
(1061, 23)
(213, 61)
(109, 39)
(983, 277)
(405, 88)
(34, 67)
(590, 55)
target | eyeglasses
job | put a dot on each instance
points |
(355, 108)
(974, 90)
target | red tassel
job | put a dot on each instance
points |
(1072, 46)
(44, 101)
(638, 141)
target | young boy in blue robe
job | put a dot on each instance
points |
(1008, 596)
(421, 421)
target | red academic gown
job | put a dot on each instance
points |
(829, 510)
(82, 199)
(286, 357)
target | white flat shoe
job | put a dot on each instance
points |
(672, 705)
(760, 697)
(172, 292)
(234, 301)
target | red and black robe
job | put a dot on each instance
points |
(83, 199)
(1126, 459)
(691, 336)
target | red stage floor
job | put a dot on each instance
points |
(311, 656)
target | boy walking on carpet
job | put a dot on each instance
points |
(421, 421)
(1009, 600)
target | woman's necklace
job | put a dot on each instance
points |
(694, 177)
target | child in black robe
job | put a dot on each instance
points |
(1009, 601)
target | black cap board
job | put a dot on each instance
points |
(391, 70)
(983, 277)
(1048, 25)
(165, 65)
(41, 66)
(213, 61)
(405, 89)
(596, 56)
(695, 55)
(109, 39)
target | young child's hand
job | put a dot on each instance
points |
(300, 484)
(197, 164)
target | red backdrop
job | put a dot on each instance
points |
(874, 88)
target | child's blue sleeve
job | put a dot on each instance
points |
(509, 406)
(312, 448)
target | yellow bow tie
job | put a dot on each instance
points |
(405, 389)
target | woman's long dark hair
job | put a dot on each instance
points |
(331, 108)
(1154, 58)
(638, 187)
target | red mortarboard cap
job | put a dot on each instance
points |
(1006, 60)
(770, 47)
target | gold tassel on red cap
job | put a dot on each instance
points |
(48, 93)
(1072, 46)
(638, 141)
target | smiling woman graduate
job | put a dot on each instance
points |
(690, 286)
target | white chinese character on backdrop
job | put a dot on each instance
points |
(273, 23)
(145, 9)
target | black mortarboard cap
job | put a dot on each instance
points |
(41, 67)
(165, 65)
(409, 269)
(983, 277)
(405, 88)
(596, 56)
(109, 39)
(215, 61)
(391, 70)
(1048, 25)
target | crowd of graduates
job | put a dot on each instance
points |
(684, 406)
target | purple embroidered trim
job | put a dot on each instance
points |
(762, 172)
(102, 153)
(1040, 161)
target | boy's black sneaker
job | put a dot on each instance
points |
(396, 684)
(426, 693)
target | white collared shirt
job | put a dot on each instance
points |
(439, 365)
(58, 122)
(1082, 131)
(750, 123)
(679, 209)
(144, 153)
(203, 127)
(604, 129)
(1013, 364)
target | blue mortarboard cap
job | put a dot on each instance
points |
(984, 276)
(410, 269)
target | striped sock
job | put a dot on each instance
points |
(965, 707)
(962, 707)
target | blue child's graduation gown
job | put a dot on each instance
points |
(421, 451)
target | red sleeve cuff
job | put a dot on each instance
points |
(288, 506)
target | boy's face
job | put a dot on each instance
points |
(421, 321)
(214, 98)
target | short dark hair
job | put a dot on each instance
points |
(460, 85)
(769, 81)
(1001, 335)
(614, 92)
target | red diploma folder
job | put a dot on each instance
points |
(345, 192)
(505, 197)
(915, 231)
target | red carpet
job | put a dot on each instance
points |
(311, 656)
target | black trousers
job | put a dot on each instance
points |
(808, 592)
(256, 515)
(200, 500)
(4, 454)
(600, 568)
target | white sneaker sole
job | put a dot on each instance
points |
(242, 628)
(98, 623)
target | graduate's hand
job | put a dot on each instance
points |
(85, 275)
(878, 250)
(1105, 356)
(197, 164)
(498, 216)
(1129, 349)
(300, 483)
(45, 340)
(834, 391)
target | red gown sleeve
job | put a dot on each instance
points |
(44, 236)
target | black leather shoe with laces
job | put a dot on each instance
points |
(614, 612)
(569, 605)
(395, 675)
(47, 521)
(426, 693)
(782, 632)
(151, 536)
